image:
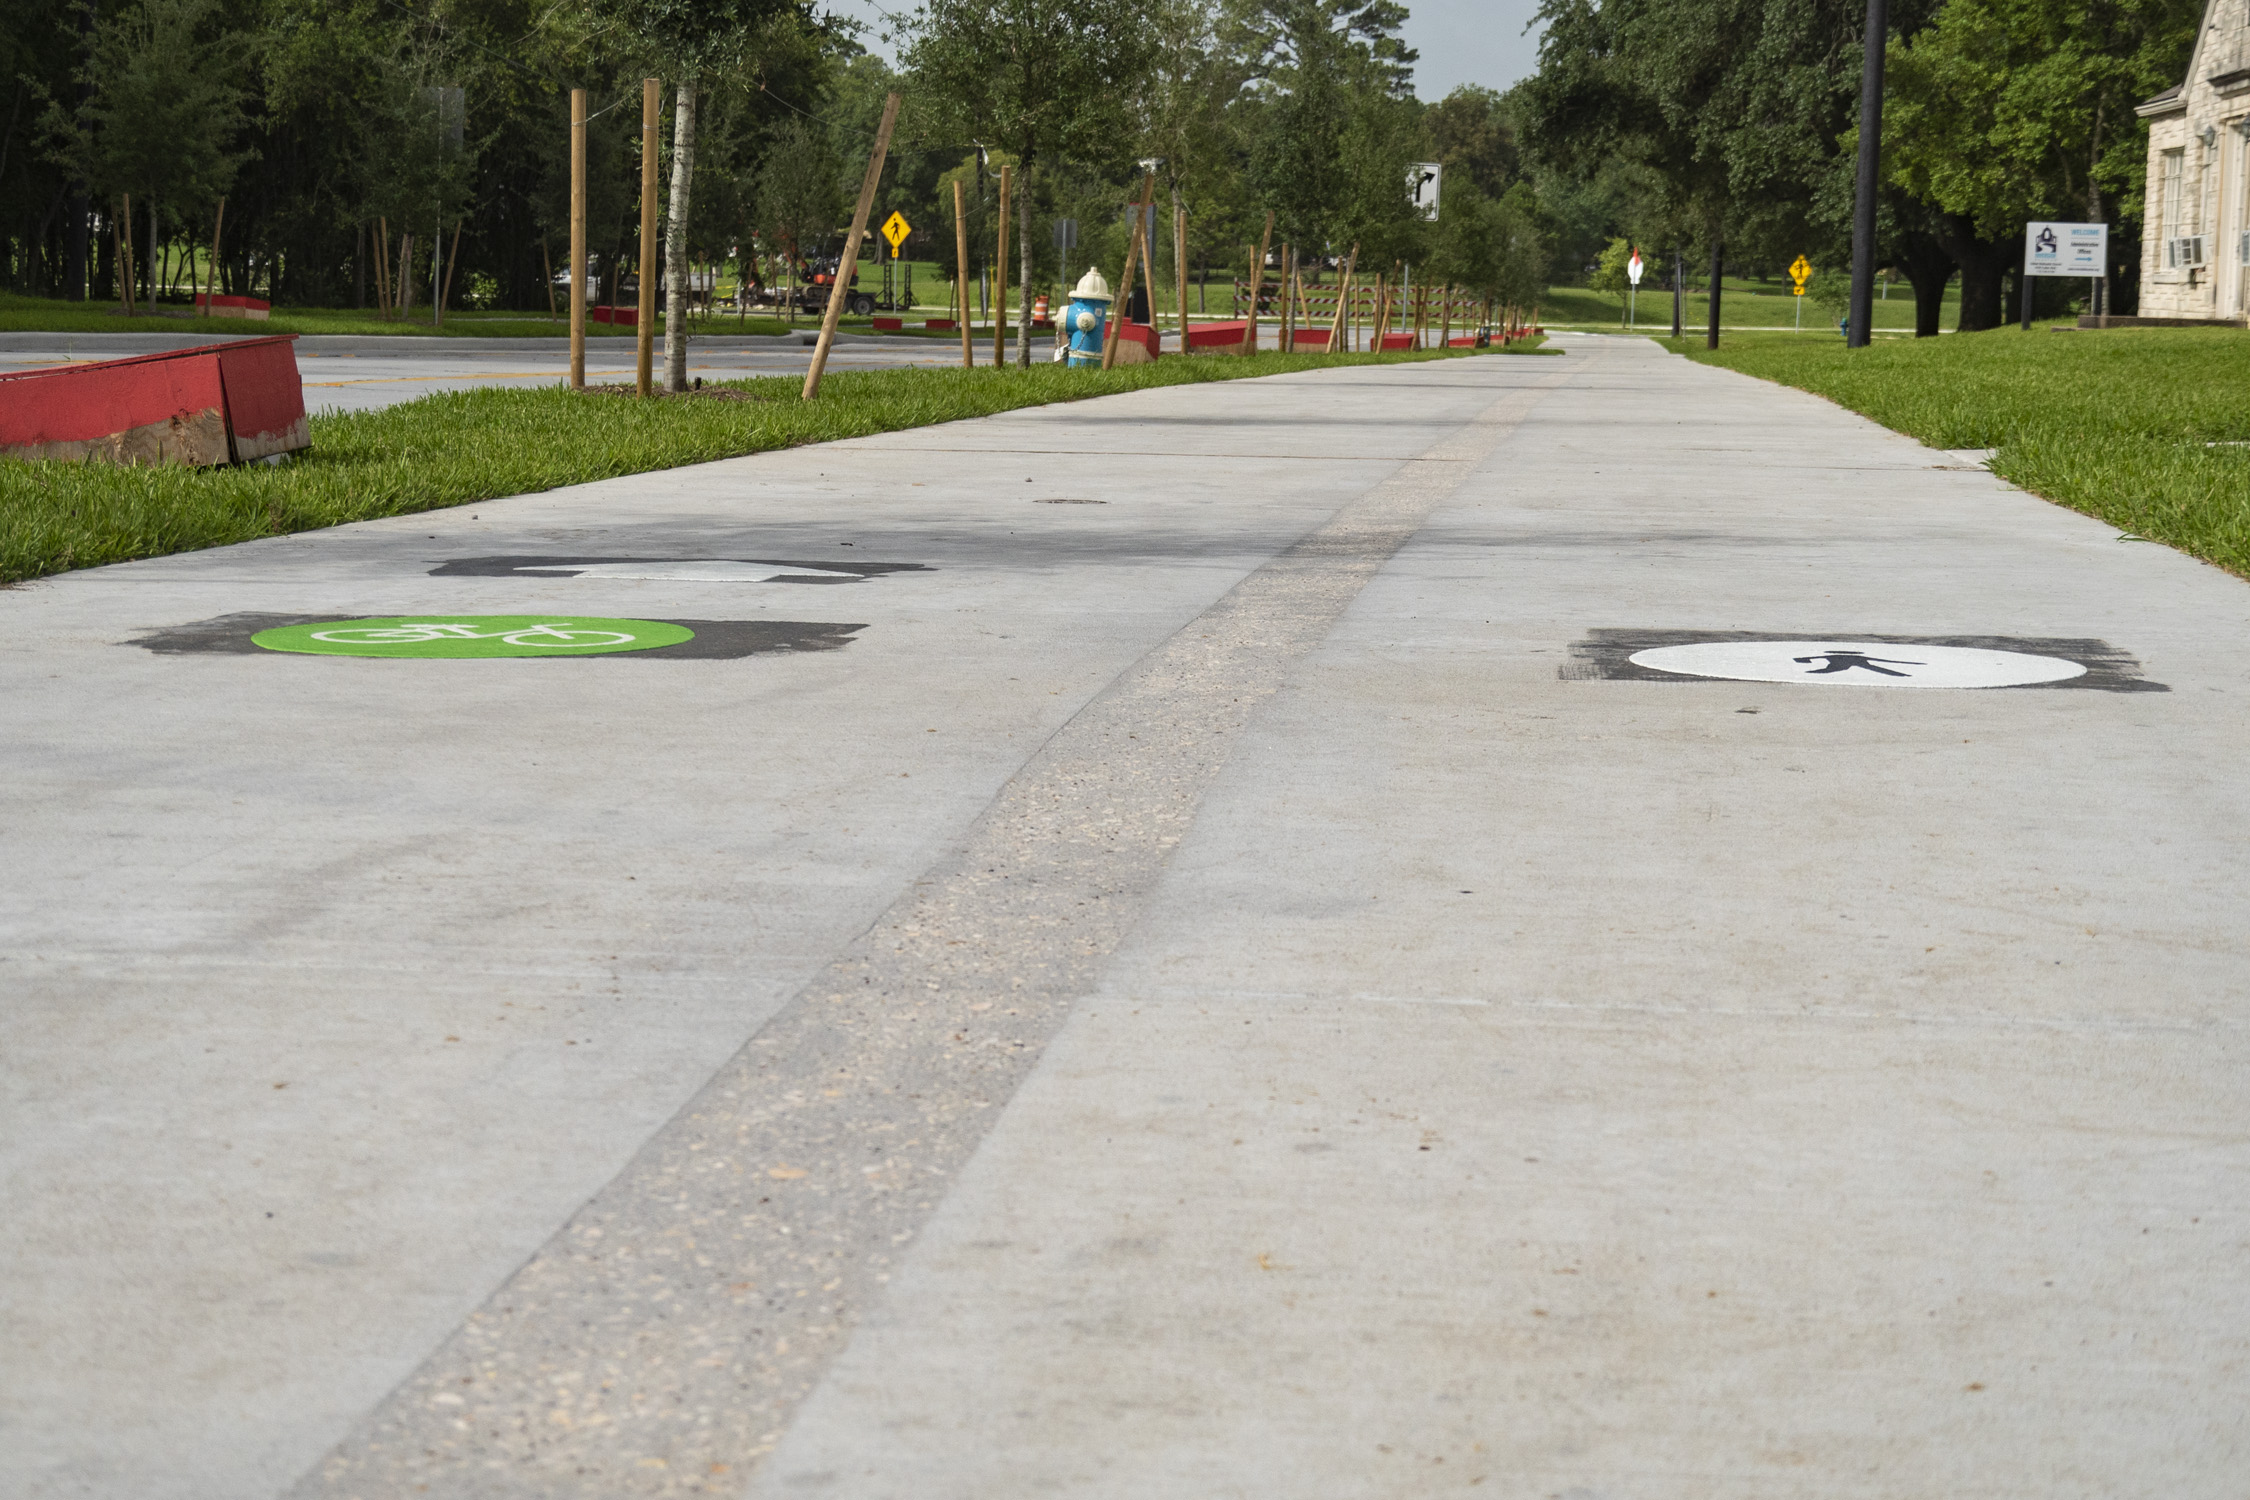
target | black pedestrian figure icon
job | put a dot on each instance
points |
(1844, 661)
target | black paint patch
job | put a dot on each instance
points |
(1606, 656)
(715, 640)
(569, 567)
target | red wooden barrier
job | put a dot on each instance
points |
(1215, 335)
(231, 307)
(1398, 341)
(214, 404)
(939, 325)
(616, 317)
(1317, 337)
(887, 325)
(1140, 334)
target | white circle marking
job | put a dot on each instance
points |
(1839, 662)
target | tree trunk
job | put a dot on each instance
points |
(1928, 268)
(675, 237)
(1984, 269)
(1023, 264)
(150, 270)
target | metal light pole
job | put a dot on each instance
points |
(1870, 160)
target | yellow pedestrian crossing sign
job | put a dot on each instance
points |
(1800, 271)
(896, 229)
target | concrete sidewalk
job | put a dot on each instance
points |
(1246, 988)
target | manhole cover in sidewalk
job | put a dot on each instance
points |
(1856, 660)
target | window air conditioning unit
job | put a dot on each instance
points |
(2184, 252)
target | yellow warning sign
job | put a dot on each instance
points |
(1800, 270)
(896, 229)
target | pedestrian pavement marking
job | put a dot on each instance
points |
(1860, 664)
(1855, 659)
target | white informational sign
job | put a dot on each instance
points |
(1633, 269)
(1848, 663)
(1422, 182)
(2065, 249)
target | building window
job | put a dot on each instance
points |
(2181, 252)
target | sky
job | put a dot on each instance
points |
(1461, 41)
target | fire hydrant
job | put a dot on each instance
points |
(1086, 317)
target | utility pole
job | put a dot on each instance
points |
(1718, 267)
(578, 239)
(1870, 160)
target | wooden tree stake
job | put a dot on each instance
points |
(1000, 275)
(383, 267)
(125, 256)
(1124, 286)
(1179, 270)
(211, 271)
(578, 239)
(452, 260)
(961, 275)
(839, 290)
(644, 332)
(1343, 300)
(1258, 286)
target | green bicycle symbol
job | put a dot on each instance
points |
(458, 636)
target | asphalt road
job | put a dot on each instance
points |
(1224, 941)
(354, 373)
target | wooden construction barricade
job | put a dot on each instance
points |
(214, 404)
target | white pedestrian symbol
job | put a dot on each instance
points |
(1862, 663)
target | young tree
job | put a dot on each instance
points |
(800, 195)
(162, 108)
(1049, 80)
(1736, 106)
(691, 38)
(1322, 122)
(2008, 110)
(417, 165)
(1475, 139)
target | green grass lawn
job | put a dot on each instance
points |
(1743, 304)
(2145, 428)
(466, 446)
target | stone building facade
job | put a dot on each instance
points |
(2195, 235)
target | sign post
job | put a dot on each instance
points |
(1800, 271)
(2053, 248)
(1633, 268)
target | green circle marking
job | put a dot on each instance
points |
(450, 635)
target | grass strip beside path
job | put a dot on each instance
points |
(2145, 428)
(465, 446)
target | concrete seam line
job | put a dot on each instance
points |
(659, 1342)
